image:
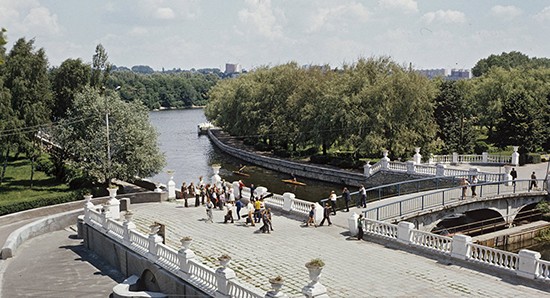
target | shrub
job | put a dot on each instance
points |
(481, 147)
(37, 202)
(262, 147)
(45, 164)
(319, 159)
(281, 152)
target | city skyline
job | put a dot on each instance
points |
(208, 34)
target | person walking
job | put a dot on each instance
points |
(363, 194)
(347, 197)
(326, 215)
(239, 206)
(474, 184)
(514, 175)
(270, 220)
(533, 182)
(360, 227)
(311, 216)
(184, 193)
(257, 209)
(265, 220)
(464, 183)
(209, 207)
(333, 199)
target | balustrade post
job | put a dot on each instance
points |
(114, 208)
(455, 158)
(154, 240)
(460, 247)
(128, 226)
(527, 266)
(171, 186)
(288, 199)
(404, 232)
(440, 170)
(352, 224)
(384, 161)
(417, 157)
(223, 276)
(515, 156)
(506, 176)
(484, 157)
(185, 255)
(410, 167)
(367, 170)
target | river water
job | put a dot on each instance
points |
(191, 155)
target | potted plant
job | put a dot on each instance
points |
(276, 283)
(315, 266)
(186, 242)
(112, 189)
(128, 215)
(224, 260)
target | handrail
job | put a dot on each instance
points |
(443, 198)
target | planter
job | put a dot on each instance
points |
(186, 243)
(224, 260)
(112, 192)
(276, 283)
(315, 267)
(128, 215)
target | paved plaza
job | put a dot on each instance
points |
(353, 268)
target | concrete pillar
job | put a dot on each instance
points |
(528, 263)
(460, 248)
(171, 186)
(515, 156)
(410, 167)
(506, 176)
(404, 232)
(154, 240)
(384, 161)
(288, 199)
(367, 170)
(455, 158)
(318, 213)
(114, 208)
(440, 170)
(260, 191)
(417, 157)
(128, 226)
(484, 157)
(185, 255)
(352, 224)
(223, 276)
(236, 191)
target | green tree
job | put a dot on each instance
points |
(454, 116)
(132, 139)
(505, 60)
(26, 76)
(70, 78)
(101, 68)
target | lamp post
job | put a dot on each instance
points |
(108, 174)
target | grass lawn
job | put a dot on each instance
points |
(16, 188)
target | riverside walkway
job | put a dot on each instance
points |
(353, 268)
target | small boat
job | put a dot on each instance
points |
(241, 174)
(292, 181)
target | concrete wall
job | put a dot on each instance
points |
(130, 263)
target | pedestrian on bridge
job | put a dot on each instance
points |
(363, 194)
(326, 215)
(333, 199)
(533, 182)
(464, 183)
(473, 187)
(514, 175)
(347, 197)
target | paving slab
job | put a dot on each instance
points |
(353, 268)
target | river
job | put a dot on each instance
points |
(191, 155)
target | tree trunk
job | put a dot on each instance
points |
(32, 169)
(5, 165)
(324, 147)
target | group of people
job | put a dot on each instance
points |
(473, 185)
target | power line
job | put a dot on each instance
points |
(28, 129)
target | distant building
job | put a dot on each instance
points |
(455, 74)
(433, 73)
(232, 68)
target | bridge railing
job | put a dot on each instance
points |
(445, 197)
(526, 263)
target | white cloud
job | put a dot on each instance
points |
(138, 31)
(22, 18)
(444, 16)
(505, 12)
(260, 16)
(407, 6)
(334, 16)
(164, 13)
(543, 15)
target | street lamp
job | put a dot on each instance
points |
(108, 174)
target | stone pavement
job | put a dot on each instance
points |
(56, 265)
(353, 268)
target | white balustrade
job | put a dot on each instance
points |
(275, 200)
(493, 257)
(205, 274)
(139, 241)
(543, 270)
(238, 290)
(380, 228)
(168, 256)
(431, 241)
(115, 228)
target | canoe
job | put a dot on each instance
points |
(291, 181)
(241, 174)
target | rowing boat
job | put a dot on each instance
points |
(292, 181)
(241, 174)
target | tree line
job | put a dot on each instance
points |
(375, 104)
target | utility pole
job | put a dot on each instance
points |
(108, 174)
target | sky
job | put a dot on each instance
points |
(208, 34)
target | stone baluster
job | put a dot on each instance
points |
(185, 255)
(460, 247)
(515, 156)
(288, 199)
(223, 276)
(154, 240)
(367, 170)
(404, 232)
(485, 157)
(128, 226)
(527, 266)
(455, 158)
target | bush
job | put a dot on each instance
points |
(319, 159)
(481, 147)
(45, 164)
(262, 147)
(529, 158)
(281, 152)
(37, 202)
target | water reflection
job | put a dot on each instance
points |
(191, 155)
